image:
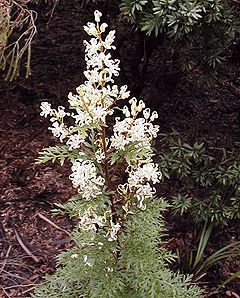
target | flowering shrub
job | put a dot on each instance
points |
(119, 220)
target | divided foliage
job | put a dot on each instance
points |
(138, 263)
(118, 248)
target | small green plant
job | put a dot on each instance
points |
(207, 189)
(193, 261)
(118, 237)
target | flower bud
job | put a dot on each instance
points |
(146, 113)
(154, 116)
(126, 112)
(97, 15)
(103, 27)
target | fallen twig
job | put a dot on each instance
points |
(29, 290)
(5, 292)
(53, 224)
(5, 259)
(24, 247)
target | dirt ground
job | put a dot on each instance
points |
(30, 237)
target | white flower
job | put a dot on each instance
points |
(100, 113)
(144, 192)
(146, 172)
(93, 102)
(86, 261)
(84, 177)
(131, 130)
(100, 244)
(74, 141)
(126, 111)
(91, 29)
(59, 130)
(123, 92)
(118, 142)
(146, 113)
(92, 76)
(139, 179)
(74, 100)
(89, 221)
(59, 114)
(99, 155)
(112, 233)
(103, 27)
(154, 116)
(97, 16)
(46, 109)
(82, 117)
(91, 49)
(107, 43)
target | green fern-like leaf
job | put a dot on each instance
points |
(54, 153)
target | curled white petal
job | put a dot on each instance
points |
(46, 109)
(97, 16)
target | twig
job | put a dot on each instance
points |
(5, 292)
(52, 12)
(20, 286)
(29, 290)
(5, 259)
(53, 224)
(14, 275)
(24, 247)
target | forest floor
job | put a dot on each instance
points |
(30, 237)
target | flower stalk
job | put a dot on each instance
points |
(118, 215)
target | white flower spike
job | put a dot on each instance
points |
(92, 150)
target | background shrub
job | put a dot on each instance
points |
(197, 31)
(206, 188)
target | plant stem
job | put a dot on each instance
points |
(104, 147)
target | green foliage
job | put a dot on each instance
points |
(133, 152)
(118, 236)
(60, 153)
(209, 188)
(231, 278)
(134, 266)
(198, 31)
(193, 262)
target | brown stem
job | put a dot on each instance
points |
(104, 147)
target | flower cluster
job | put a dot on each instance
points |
(59, 129)
(95, 100)
(84, 177)
(134, 130)
(139, 181)
(90, 220)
